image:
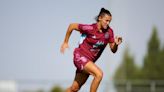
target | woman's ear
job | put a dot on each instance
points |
(99, 18)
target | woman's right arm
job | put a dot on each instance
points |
(73, 26)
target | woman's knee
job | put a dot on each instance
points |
(75, 88)
(99, 75)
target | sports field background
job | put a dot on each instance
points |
(31, 32)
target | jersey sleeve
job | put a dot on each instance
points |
(85, 28)
(111, 35)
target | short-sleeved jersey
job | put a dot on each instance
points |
(95, 41)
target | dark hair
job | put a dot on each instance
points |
(103, 11)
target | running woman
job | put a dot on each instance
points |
(98, 35)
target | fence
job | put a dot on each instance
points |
(140, 86)
(105, 86)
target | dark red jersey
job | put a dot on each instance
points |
(95, 41)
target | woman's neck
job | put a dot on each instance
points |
(99, 27)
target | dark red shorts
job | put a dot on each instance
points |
(79, 60)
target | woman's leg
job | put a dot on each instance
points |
(96, 72)
(80, 79)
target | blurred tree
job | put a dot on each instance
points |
(152, 68)
(154, 43)
(160, 68)
(56, 89)
(127, 69)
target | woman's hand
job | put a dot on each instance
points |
(118, 40)
(63, 47)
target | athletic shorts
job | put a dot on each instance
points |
(79, 60)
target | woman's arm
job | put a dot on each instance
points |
(73, 26)
(114, 45)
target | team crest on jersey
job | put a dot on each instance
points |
(106, 35)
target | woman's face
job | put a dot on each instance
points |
(104, 21)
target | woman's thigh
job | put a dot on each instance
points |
(92, 69)
(80, 79)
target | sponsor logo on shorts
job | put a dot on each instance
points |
(81, 58)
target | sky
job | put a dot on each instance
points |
(32, 31)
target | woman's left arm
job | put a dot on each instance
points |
(114, 45)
